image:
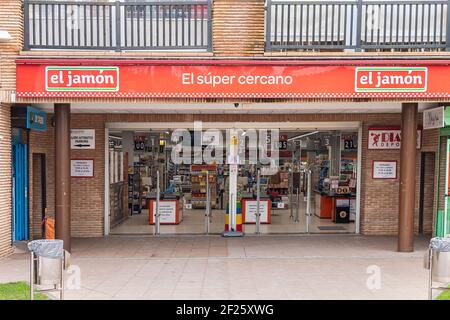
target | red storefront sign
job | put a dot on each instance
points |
(230, 79)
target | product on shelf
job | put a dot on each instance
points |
(198, 185)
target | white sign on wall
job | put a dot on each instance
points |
(433, 118)
(82, 168)
(388, 138)
(384, 170)
(82, 139)
(251, 207)
(167, 211)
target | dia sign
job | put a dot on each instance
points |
(388, 138)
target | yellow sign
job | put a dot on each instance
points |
(234, 140)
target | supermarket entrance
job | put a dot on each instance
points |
(313, 189)
(144, 177)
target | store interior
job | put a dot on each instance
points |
(329, 158)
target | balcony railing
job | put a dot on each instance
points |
(119, 26)
(360, 25)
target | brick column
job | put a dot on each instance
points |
(62, 174)
(5, 181)
(407, 178)
(238, 27)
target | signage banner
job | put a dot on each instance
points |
(433, 118)
(388, 138)
(283, 142)
(82, 139)
(139, 143)
(167, 212)
(246, 79)
(82, 168)
(251, 209)
(349, 142)
(384, 169)
(36, 119)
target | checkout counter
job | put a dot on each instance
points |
(169, 208)
(334, 206)
(249, 206)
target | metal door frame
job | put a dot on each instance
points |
(440, 218)
(444, 215)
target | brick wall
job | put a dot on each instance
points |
(87, 194)
(10, 20)
(5, 180)
(429, 152)
(379, 213)
(42, 143)
(429, 193)
(36, 203)
(379, 198)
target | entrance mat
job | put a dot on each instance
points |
(327, 228)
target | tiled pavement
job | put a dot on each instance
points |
(213, 267)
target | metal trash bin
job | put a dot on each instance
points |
(46, 266)
(438, 264)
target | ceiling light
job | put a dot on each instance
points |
(303, 135)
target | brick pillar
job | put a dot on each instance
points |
(238, 27)
(62, 174)
(407, 177)
(5, 180)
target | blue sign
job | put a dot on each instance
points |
(36, 119)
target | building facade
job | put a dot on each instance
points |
(307, 67)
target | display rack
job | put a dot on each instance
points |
(279, 183)
(323, 174)
(198, 185)
(185, 171)
(134, 193)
